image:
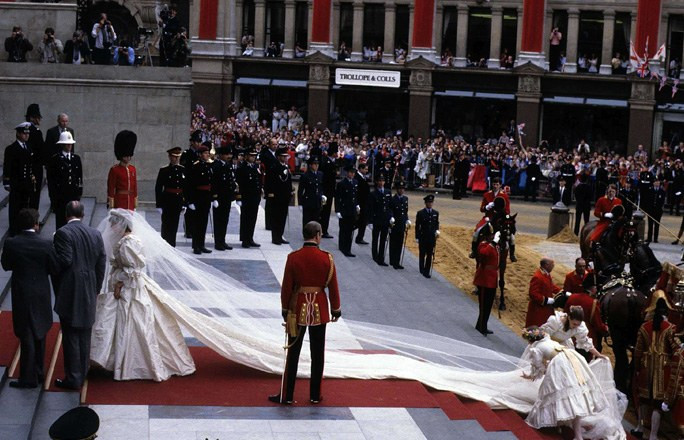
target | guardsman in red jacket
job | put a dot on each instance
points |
(573, 280)
(486, 275)
(592, 311)
(122, 181)
(604, 212)
(489, 196)
(542, 291)
(308, 272)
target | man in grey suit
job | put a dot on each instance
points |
(81, 257)
(31, 260)
(52, 137)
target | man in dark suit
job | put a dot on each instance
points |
(652, 204)
(427, 231)
(52, 137)
(329, 170)
(36, 145)
(248, 178)
(268, 158)
(198, 195)
(399, 223)
(31, 260)
(18, 178)
(223, 189)
(380, 215)
(81, 259)
(562, 193)
(65, 178)
(169, 190)
(363, 194)
(583, 199)
(533, 175)
(310, 192)
(629, 198)
(278, 189)
(347, 209)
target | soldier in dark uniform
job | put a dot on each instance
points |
(399, 224)
(387, 171)
(653, 204)
(646, 179)
(198, 193)
(677, 187)
(329, 170)
(278, 189)
(427, 231)
(268, 158)
(248, 178)
(169, 195)
(363, 198)
(347, 209)
(65, 178)
(310, 192)
(187, 159)
(668, 181)
(567, 171)
(601, 180)
(380, 214)
(583, 199)
(627, 194)
(223, 189)
(533, 175)
(36, 144)
(18, 178)
(461, 170)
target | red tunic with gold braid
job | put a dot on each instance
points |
(487, 272)
(652, 355)
(541, 289)
(306, 273)
(122, 187)
(604, 205)
(489, 197)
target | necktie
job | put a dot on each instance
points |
(104, 37)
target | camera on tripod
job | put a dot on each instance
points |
(145, 31)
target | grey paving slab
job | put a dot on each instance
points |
(17, 405)
(248, 413)
(14, 431)
(253, 273)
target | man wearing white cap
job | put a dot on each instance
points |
(65, 177)
(18, 178)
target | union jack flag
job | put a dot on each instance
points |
(642, 70)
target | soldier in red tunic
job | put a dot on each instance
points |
(486, 275)
(604, 212)
(488, 207)
(308, 272)
(586, 298)
(122, 182)
(573, 280)
(542, 291)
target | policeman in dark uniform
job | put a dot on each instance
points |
(363, 198)
(461, 170)
(381, 213)
(18, 178)
(567, 171)
(347, 209)
(310, 192)
(583, 198)
(198, 193)
(533, 175)
(653, 204)
(329, 170)
(278, 189)
(427, 231)
(187, 159)
(268, 158)
(387, 171)
(677, 187)
(169, 195)
(627, 194)
(36, 144)
(399, 224)
(646, 179)
(223, 189)
(248, 178)
(65, 178)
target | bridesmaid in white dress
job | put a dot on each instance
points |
(563, 327)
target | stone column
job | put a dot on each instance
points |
(336, 27)
(390, 25)
(357, 32)
(319, 93)
(309, 25)
(532, 44)
(571, 40)
(420, 102)
(288, 52)
(259, 27)
(607, 51)
(410, 36)
(320, 32)
(528, 103)
(423, 20)
(495, 38)
(438, 30)
(518, 36)
(548, 25)
(461, 36)
(641, 110)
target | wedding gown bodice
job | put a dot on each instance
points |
(555, 328)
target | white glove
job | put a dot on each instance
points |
(183, 209)
(608, 215)
(486, 219)
(550, 301)
(371, 226)
(214, 204)
(239, 203)
(159, 210)
(7, 188)
(392, 221)
(437, 233)
(339, 216)
(417, 241)
(192, 207)
(534, 178)
(324, 200)
(665, 407)
(568, 293)
(497, 237)
(678, 193)
(408, 224)
(490, 205)
(358, 209)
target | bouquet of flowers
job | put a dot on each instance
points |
(533, 334)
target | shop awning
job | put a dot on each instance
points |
(481, 95)
(253, 81)
(576, 100)
(289, 83)
(248, 81)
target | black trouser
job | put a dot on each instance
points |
(221, 217)
(169, 221)
(458, 188)
(620, 344)
(189, 222)
(361, 224)
(531, 189)
(278, 219)
(31, 360)
(201, 220)
(581, 212)
(76, 347)
(18, 200)
(486, 297)
(346, 232)
(34, 202)
(653, 226)
(268, 212)
(554, 57)
(324, 216)
(396, 243)
(248, 218)
(425, 251)
(379, 242)
(317, 347)
(310, 215)
(676, 202)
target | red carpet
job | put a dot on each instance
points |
(484, 415)
(219, 382)
(8, 342)
(516, 424)
(451, 405)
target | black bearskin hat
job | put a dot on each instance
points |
(124, 144)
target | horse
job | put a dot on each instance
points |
(615, 248)
(505, 225)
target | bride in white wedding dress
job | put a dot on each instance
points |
(164, 290)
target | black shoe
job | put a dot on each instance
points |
(284, 242)
(253, 244)
(637, 434)
(205, 250)
(676, 241)
(17, 384)
(471, 255)
(655, 241)
(188, 236)
(316, 401)
(348, 254)
(62, 383)
(382, 263)
(276, 242)
(488, 332)
(327, 236)
(513, 258)
(276, 399)
(245, 245)
(197, 251)
(427, 275)
(361, 242)
(220, 247)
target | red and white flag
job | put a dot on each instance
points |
(674, 88)
(660, 54)
(634, 59)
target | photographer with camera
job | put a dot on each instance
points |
(180, 49)
(124, 55)
(50, 48)
(104, 35)
(77, 50)
(170, 28)
(17, 46)
(555, 50)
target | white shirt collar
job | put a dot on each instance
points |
(74, 220)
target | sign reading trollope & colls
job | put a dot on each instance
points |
(361, 77)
